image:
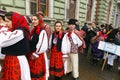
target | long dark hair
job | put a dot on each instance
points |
(41, 22)
(9, 15)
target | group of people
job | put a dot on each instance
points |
(106, 33)
(26, 51)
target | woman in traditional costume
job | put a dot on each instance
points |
(38, 46)
(56, 56)
(15, 45)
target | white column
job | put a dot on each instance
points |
(77, 9)
(115, 16)
(27, 7)
(86, 10)
(66, 6)
(50, 14)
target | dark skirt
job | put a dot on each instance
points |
(37, 68)
(56, 63)
(97, 53)
(11, 68)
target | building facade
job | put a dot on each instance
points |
(100, 11)
(14, 5)
(117, 15)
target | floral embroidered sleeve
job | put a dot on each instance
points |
(8, 38)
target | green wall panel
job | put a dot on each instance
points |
(58, 16)
(59, 9)
(83, 10)
(62, 11)
(82, 13)
(59, 4)
(21, 11)
(56, 10)
(61, 0)
(7, 2)
(20, 3)
(83, 1)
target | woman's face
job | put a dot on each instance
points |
(104, 30)
(8, 23)
(58, 27)
(35, 21)
(93, 25)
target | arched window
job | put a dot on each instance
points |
(39, 5)
(89, 10)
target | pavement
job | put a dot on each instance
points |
(93, 72)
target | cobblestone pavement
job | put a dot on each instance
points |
(90, 72)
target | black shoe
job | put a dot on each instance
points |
(109, 67)
(94, 62)
(118, 71)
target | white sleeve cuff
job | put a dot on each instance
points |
(65, 56)
(36, 55)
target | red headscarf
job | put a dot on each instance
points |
(19, 21)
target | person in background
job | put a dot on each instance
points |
(56, 56)
(111, 57)
(2, 24)
(38, 47)
(97, 54)
(77, 26)
(94, 27)
(117, 42)
(85, 27)
(15, 46)
(86, 37)
(70, 45)
(2, 15)
(46, 26)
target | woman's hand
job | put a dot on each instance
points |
(34, 56)
(64, 59)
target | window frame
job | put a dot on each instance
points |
(38, 6)
(68, 9)
(33, 1)
(46, 6)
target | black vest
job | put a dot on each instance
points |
(59, 42)
(20, 48)
(34, 40)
